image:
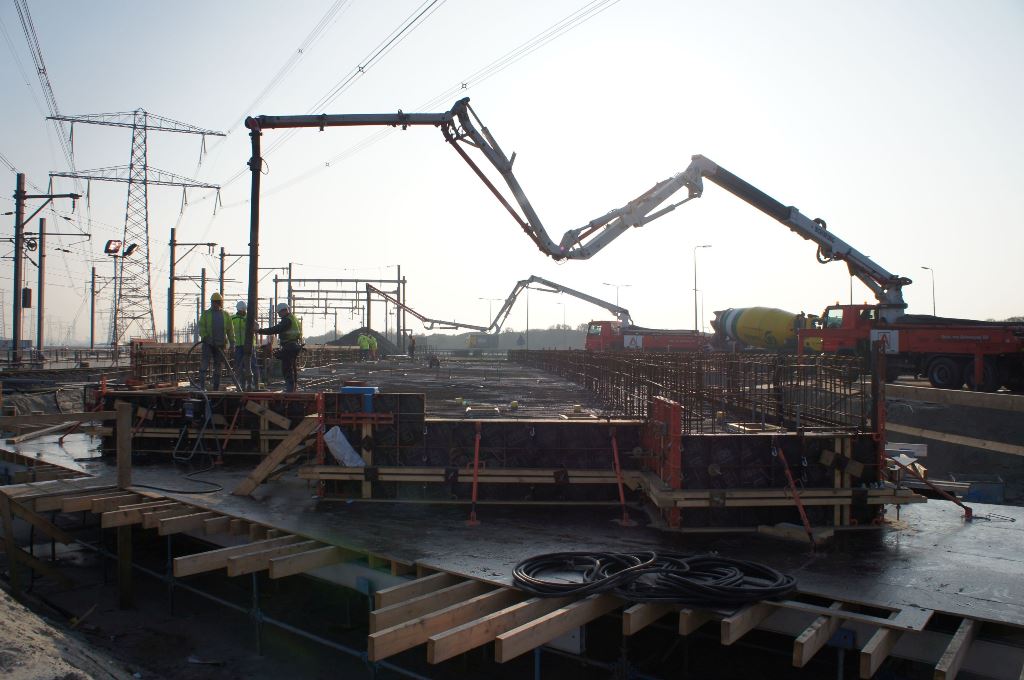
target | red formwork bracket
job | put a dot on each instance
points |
(663, 437)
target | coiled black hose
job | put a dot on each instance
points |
(698, 580)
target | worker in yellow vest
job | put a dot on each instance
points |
(247, 375)
(289, 330)
(215, 334)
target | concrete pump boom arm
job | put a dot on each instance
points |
(584, 242)
(621, 313)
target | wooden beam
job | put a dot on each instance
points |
(639, 616)
(480, 631)
(424, 604)
(528, 636)
(126, 516)
(876, 650)
(34, 434)
(247, 563)
(218, 559)
(238, 527)
(692, 619)
(258, 532)
(401, 568)
(216, 525)
(108, 503)
(742, 622)
(953, 658)
(44, 525)
(55, 418)
(988, 400)
(77, 503)
(282, 451)
(151, 520)
(815, 636)
(407, 591)
(269, 414)
(312, 559)
(178, 524)
(390, 641)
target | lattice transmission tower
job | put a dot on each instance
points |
(133, 298)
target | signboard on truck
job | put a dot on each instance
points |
(633, 341)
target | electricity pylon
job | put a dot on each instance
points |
(133, 304)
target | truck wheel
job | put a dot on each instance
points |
(989, 379)
(945, 374)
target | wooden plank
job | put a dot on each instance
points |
(815, 636)
(974, 442)
(176, 525)
(76, 503)
(248, 563)
(532, 634)
(953, 658)
(126, 516)
(268, 413)
(218, 559)
(742, 622)
(151, 520)
(282, 451)
(34, 434)
(639, 616)
(216, 525)
(390, 641)
(692, 619)
(42, 524)
(311, 559)
(108, 503)
(480, 631)
(876, 650)
(7, 422)
(238, 527)
(909, 618)
(424, 604)
(407, 591)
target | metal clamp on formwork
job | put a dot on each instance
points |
(561, 476)
(451, 475)
(371, 473)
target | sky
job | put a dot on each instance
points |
(897, 123)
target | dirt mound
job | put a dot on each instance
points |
(384, 346)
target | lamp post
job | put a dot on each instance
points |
(489, 301)
(616, 286)
(932, 272)
(695, 248)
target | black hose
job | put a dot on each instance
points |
(698, 580)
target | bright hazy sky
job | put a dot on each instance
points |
(900, 124)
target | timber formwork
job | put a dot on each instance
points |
(448, 612)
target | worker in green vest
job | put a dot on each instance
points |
(289, 330)
(373, 346)
(215, 334)
(364, 346)
(245, 374)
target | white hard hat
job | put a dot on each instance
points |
(282, 306)
(240, 305)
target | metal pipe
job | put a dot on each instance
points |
(92, 312)
(19, 245)
(170, 291)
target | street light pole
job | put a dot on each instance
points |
(695, 248)
(617, 286)
(932, 272)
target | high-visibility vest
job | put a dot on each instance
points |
(364, 342)
(238, 328)
(206, 324)
(294, 332)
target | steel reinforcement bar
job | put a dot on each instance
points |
(722, 392)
